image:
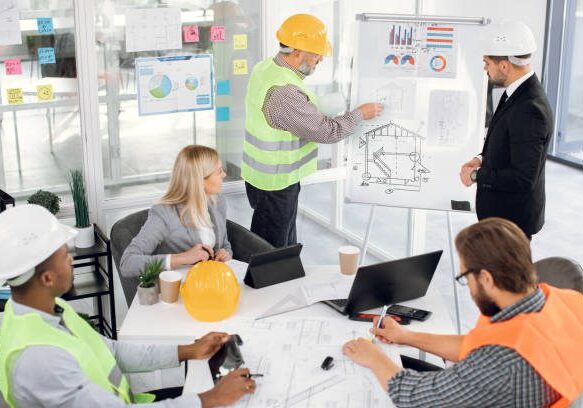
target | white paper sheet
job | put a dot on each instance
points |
(151, 29)
(289, 353)
(307, 295)
(9, 23)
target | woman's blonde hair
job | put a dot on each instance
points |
(193, 164)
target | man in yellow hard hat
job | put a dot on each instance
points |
(51, 357)
(284, 126)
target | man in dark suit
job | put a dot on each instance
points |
(510, 171)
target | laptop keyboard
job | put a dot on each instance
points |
(339, 302)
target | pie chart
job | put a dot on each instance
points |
(160, 86)
(191, 83)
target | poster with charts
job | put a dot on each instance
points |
(420, 49)
(174, 84)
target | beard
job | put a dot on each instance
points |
(306, 69)
(486, 305)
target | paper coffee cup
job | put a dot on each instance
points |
(348, 256)
(169, 286)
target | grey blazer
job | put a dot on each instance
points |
(163, 233)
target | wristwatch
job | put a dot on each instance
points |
(474, 175)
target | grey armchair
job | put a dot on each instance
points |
(560, 272)
(244, 243)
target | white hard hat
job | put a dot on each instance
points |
(29, 234)
(508, 39)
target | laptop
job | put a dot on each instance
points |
(388, 282)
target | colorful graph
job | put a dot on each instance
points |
(439, 37)
(407, 59)
(160, 86)
(392, 59)
(438, 63)
(401, 35)
(191, 83)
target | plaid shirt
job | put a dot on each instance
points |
(288, 108)
(490, 376)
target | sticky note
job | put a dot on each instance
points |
(46, 55)
(240, 42)
(14, 96)
(217, 33)
(190, 34)
(240, 67)
(224, 87)
(13, 66)
(223, 113)
(44, 92)
(44, 25)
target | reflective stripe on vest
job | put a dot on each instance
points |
(273, 159)
(83, 343)
(549, 340)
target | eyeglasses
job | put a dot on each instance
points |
(462, 278)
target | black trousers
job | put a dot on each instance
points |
(274, 214)
(166, 393)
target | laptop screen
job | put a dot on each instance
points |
(392, 282)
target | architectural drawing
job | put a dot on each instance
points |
(448, 117)
(398, 98)
(289, 353)
(393, 157)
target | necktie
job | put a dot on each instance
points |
(502, 101)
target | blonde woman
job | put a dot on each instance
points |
(189, 223)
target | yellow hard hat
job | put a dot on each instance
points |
(210, 291)
(305, 32)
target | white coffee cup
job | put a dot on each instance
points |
(169, 286)
(348, 256)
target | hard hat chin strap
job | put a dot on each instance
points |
(21, 279)
(520, 61)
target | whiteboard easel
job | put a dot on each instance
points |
(413, 19)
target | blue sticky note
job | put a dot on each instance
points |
(44, 25)
(224, 87)
(46, 55)
(223, 114)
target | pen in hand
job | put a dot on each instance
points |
(249, 375)
(380, 321)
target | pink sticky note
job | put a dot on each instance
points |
(13, 66)
(217, 33)
(190, 34)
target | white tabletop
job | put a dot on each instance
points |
(171, 322)
(278, 348)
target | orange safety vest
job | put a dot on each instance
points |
(550, 340)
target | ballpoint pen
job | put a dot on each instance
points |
(380, 321)
(249, 375)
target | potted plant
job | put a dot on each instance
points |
(148, 289)
(46, 199)
(85, 237)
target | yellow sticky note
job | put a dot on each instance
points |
(14, 96)
(240, 41)
(44, 92)
(240, 67)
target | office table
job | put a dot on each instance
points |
(321, 330)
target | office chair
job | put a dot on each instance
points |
(560, 272)
(244, 243)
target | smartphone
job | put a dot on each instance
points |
(367, 317)
(227, 358)
(409, 312)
